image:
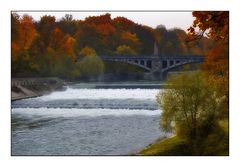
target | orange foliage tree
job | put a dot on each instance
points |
(215, 26)
(23, 34)
(106, 29)
(47, 43)
(56, 38)
(68, 46)
(131, 40)
(27, 32)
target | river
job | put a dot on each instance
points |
(87, 120)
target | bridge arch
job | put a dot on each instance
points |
(166, 71)
(146, 65)
(156, 64)
(181, 64)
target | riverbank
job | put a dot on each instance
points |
(22, 88)
(165, 147)
(215, 144)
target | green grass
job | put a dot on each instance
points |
(168, 146)
(215, 144)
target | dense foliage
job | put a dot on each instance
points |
(191, 105)
(194, 104)
(193, 109)
(51, 47)
(216, 66)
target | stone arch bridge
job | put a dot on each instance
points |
(156, 64)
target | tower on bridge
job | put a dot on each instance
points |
(156, 49)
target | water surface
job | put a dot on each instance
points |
(86, 121)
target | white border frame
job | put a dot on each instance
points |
(7, 6)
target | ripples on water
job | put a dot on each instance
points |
(86, 122)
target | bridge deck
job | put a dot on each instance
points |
(121, 57)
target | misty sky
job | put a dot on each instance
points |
(181, 20)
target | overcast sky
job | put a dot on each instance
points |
(181, 20)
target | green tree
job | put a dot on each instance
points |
(191, 107)
(63, 66)
(91, 67)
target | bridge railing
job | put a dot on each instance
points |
(151, 57)
(33, 81)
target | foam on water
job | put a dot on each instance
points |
(65, 112)
(81, 121)
(70, 93)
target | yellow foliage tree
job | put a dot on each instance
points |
(88, 51)
(125, 50)
(131, 40)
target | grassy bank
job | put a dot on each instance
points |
(215, 144)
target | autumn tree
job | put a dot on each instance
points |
(171, 42)
(68, 25)
(56, 39)
(15, 26)
(101, 19)
(45, 27)
(24, 35)
(15, 23)
(88, 51)
(27, 32)
(191, 108)
(88, 35)
(215, 25)
(106, 29)
(131, 40)
(123, 23)
(109, 36)
(68, 47)
(41, 45)
(125, 50)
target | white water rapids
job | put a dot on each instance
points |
(80, 121)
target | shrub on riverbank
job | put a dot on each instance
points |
(192, 109)
(215, 144)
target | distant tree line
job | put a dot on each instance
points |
(61, 48)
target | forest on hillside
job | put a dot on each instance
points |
(70, 48)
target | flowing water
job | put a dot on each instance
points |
(86, 121)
